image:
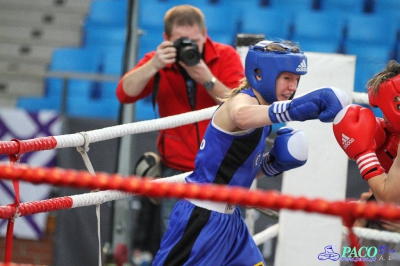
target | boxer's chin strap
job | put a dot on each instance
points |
(83, 151)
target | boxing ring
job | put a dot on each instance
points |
(290, 202)
(108, 187)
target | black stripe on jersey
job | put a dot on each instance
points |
(180, 253)
(240, 149)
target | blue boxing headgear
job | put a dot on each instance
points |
(270, 64)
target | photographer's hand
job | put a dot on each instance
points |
(165, 54)
(200, 73)
(135, 81)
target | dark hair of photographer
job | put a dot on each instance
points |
(183, 16)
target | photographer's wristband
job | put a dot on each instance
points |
(209, 85)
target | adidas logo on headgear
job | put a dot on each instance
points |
(302, 66)
(346, 141)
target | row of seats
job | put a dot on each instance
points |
(351, 6)
(104, 38)
(370, 36)
(29, 32)
(317, 25)
(84, 96)
(308, 25)
(100, 53)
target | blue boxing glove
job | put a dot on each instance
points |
(290, 150)
(322, 103)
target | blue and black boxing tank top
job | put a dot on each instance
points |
(226, 158)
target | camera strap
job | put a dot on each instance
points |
(191, 87)
(155, 91)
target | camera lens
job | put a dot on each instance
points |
(190, 56)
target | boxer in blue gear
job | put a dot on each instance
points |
(192, 237)
(202, 232)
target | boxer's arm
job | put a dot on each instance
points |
(386, 188)
(322, 104)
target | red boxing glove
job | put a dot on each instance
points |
(387, 152)
(354, 128)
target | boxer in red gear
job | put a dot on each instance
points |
(354, 129)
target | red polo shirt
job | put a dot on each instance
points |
(178, 146)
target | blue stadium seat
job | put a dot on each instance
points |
(318, 31)
(371, 37)
(370, 60)
(72, 60)
(93, 108)
(66, 60)
(102, 53)
(292, 6)
(267, 21)
(365, 70)
(371, 28)
(112, 61)
(104, 35)
(35, 104)
(343, 6)
(151, 14)
(102, 103)
(221, 22)
(387, 7)
(107, 13)
(149, 41)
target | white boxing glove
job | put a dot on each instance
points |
(290, 150)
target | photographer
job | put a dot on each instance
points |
(182, 87)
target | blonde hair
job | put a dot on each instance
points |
(391, 70)
(183, 15)
(270, 47)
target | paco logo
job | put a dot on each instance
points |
(362, 252)
(329, 254)
(353, 254)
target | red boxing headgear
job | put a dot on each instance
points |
(388, 100)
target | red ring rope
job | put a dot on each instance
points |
(233, 195)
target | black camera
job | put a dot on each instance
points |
(187, 51)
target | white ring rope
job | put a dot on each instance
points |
(266, 235)
(374, 234)
(360, 232)
(75, 140)
(95, 198)
(360, 97)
